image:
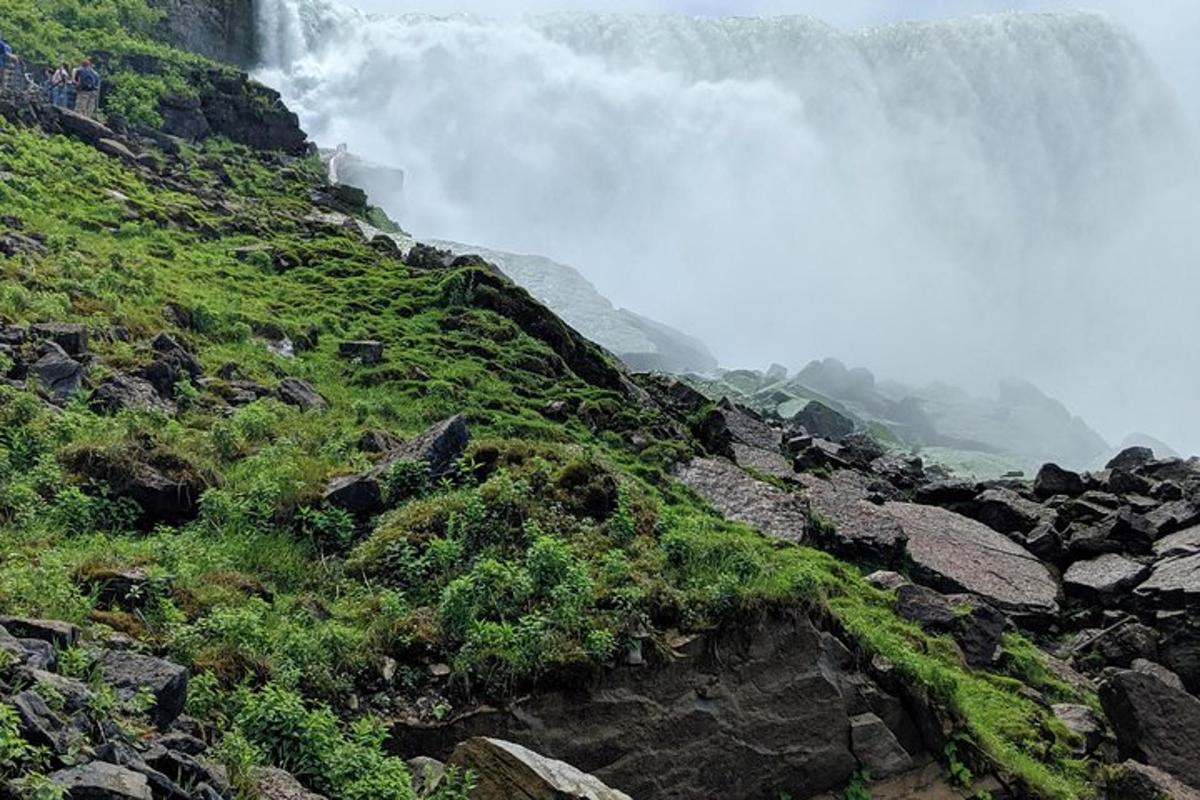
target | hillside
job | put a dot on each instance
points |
(280, 503)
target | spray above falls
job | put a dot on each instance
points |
(963, 200)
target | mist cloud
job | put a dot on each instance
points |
(963, 202)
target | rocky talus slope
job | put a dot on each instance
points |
(289, 513)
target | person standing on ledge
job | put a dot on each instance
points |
(87, 89)
(6, 55)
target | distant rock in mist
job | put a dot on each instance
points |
(643, 344)
(1017, 429)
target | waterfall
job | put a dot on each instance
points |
(957, 199)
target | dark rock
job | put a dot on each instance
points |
(1155, 724)
(1123, 482)
(38, 654)
(958, 554)
(98, 780)
(1130, 459)
(860, 449)
(71, 337)
(185, 770)
(377, 442)
(163, 484)
(39, 725)
(59, 376)
(1121, 644)
(365, 352)
(301, 394)
(741, 497)
(1172, 517)
(505, 770)
(275, 784)
(130, 672)
(181, 742)
(747, 710)
(876, 747)
(1106, 579)
(946, 493)
(75, 694)
(821, 420)
(60, 634)
(922, 605)
(1045, 543)
(438, 448)
(1053, 480)
(820, 454)
(557, 410)
(1137, 781)
(1006, 511)
(124, 392)
(162, 374)
(177, 354)
(903, 472)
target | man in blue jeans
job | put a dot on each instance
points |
(5, 57)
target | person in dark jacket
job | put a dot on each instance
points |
(87, 89)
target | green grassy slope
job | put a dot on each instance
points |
(553, 544)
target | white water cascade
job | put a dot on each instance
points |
(1011, 194)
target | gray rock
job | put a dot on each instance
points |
(728, 424)
(101, 781)
(860, 529)
(505, 770)
(129, 673)
(75, 694)
(1053, 480)
(427, 774)
(887, 580)
(1158, 671)
(1155, 724)
(741, 497)
(60, 634)
(904, 472)
(275, 784)
(1105, 579)
(39, 725)
(301, 394)
(71, 337)
(59, 376)
(124, 392)
(946, 493)
(1174, 583)
(876, 747)
(959, 554)
(745, 711)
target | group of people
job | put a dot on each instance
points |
(76, 88)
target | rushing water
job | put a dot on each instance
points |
(1003, 194)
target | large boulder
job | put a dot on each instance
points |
(299, 393)
(59, 376)
(958, 554)
(1006, 511)
(1105, 579)
(1174, 583)
(70, 336)
(124, 392)
(1130, 459)
(821, 420)
(504, 770)
(1053, 480)
(743, 498)
(128, 673)
(856, 528)
(98, 780)
(438, 449)
(1155, 723)
(744, 711)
